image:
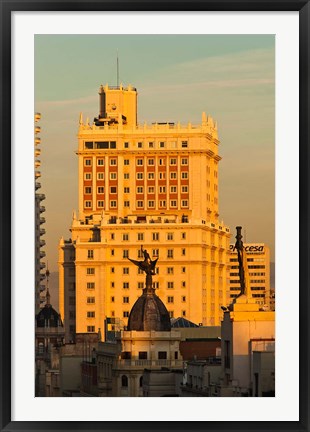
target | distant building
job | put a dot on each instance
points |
(152, 185)
(39, 221)
(258, 261)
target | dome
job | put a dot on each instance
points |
(48, 317)
(149, 313)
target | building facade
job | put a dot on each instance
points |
(39, 221)
(152, 185)
(258, 266)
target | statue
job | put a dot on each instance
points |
(147, 266)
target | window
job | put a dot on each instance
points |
(125, 237)
(112, 299)
(162, 175)
(184, 161)
(183, 313)
(91, 329)
(90, 285)
(140, 144)
(90, 271)
(184, 144)
(100, 162)
(140, 189)
(112, 236)
(112, 252)
(100, 203)
(170, 299)
(170, 285)
(184, 203)
(140, 285)
(126, 161)
(87, 162)
(171, 314)
(126, 270)
(184, 175)
(162, 189)
(140, 204)
(150, 161)
(125, 299)
(139, 176)
(72, 315)
(126, 176)
(155, 253)
(170, 253)
(87, 190)
(183, 284)
(155, 236)
(151, 176)
(140, 162)
(151, 189)
(90, 314)
(112, 284)
(173, 161)
(183, 299)
(173, 189)
(125, 253)
(125, 285)
(162, 161)
(151, 144)
(87, 176)
(126, 144)
(100, 176)
(126, 203)
(184, 189)
(140, 253)
(183, 252)
(162, 355)
(151, 204)
(126, 190)
(162, 203)
(170, 236)
(162, 144)
(140, 236)
(173, 203)
(169, 270)
(124, 381)
(90, 300)
(183, 269)
(173, 175)
(90, 253)
(142, 355)
(113, 204)
(100, 190)
(113, 176)
(113, 162)
(183, 235)
(125, 314)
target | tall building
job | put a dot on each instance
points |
(39, 221)
(153, 185)
(258, 264)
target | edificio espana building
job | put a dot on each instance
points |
(151, 185)
(258, 262)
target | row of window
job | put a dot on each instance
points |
(250, 273)
(139, 162)
(139, 203)
(139, 175)
(236, 281)
(139, 189)
(140, 285)
(160, 144)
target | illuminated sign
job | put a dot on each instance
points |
(249, 248)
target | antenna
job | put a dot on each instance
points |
(117, 69)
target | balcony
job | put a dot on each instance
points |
(42, 254)
(42, 243)
(42, 220)
(41, 196)
(37, 163)
(149, 363)
(42, 209)
(37, 174)
(42, 231)
(37, 185)
(42, 266)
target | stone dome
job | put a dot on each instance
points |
(149, 313)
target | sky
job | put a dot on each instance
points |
(230, 77)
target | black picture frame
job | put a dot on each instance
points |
(6, 9)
